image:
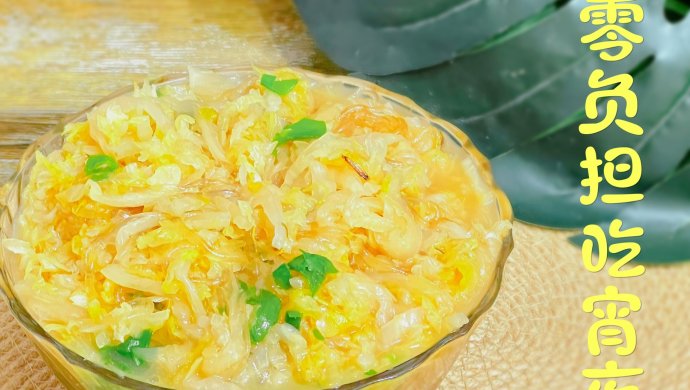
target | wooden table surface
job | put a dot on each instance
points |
(58, 56)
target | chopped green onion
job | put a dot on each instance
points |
(293, 318)
(318, 335)
(124, 356)
(249, 291)
(164, 90)
(281, 87)
(282, 276)
(303, 129)
(100, 166)
(314, 268)
(370, 373)
(265, 315)
(393, 358)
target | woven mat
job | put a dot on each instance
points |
(533, 338)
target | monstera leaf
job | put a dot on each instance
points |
(514, 76)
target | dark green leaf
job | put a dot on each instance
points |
(124, 355)
(657, 245)
(265, 316)
(519, 95)
(281, 87)
(281, 275)
(100, 166)
(381, 37)
(314, 268)
(303, 129)
(318, 335)
(293, 318)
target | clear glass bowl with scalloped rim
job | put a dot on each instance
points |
(419, 365)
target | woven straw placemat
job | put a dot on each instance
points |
(533, 338)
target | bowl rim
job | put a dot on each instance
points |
(505, 213)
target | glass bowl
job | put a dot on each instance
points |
(424, 371)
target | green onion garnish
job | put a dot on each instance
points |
(124, 355)
(281, 87)
(293, 318)
(100, 166)
(282, 276)
(303, 129)
(314, 268)
(265, 315)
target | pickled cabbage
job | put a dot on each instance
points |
(149, 242)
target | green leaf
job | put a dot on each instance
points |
(318, 335)
(100, 166)
(370, 373)
(265, 315)
(124, 355)
(519, 94)
(657, 245)
(281, 275)
(293, 318)
(281, 87)
(382, 37)
(303, 129)
(314, 268)
(677, 9)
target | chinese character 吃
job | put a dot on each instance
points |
(633, 249)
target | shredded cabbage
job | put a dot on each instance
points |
(177, 240)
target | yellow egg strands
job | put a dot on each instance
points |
(270, 232)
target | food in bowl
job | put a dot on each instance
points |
(267, 229)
